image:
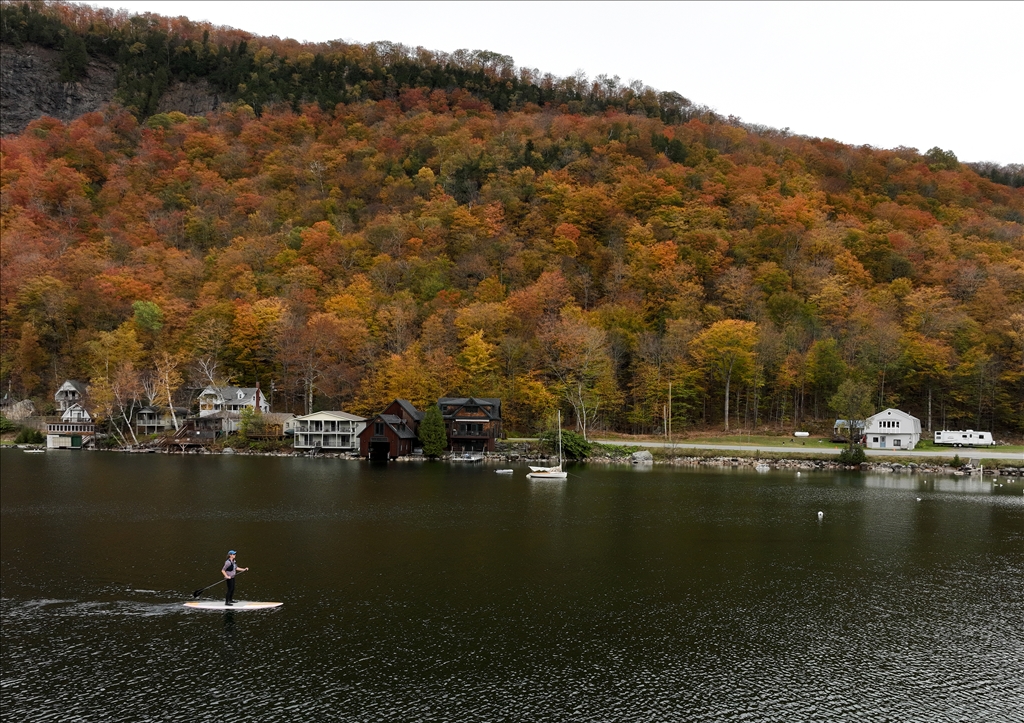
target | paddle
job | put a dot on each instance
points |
(200, 591)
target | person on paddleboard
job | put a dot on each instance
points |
(229, 571)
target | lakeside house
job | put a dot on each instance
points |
(472, 424)
(393, 433)
(155, 419)
(892, 429)
(213, 400)
(194, 433)
(841, 430)
(70, 392)
(330, 431)
(75, 427)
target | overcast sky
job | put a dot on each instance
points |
(885, 74)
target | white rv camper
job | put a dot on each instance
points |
(967, 438)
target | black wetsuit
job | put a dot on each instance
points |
(229, 568)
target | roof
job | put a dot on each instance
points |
(77, 386)
(343, 416)
(894, 413)
(162, 409)
(397, 425)
(223, 414)
(483, 402)
(278, 417)
(230, 394)
(411, 410)
(69, 412)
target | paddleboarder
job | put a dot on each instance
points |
(229, 571)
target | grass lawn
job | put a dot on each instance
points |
(797, 444)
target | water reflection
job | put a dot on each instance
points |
(963, 485)
(892, 481)
(907, 481)
(428, 592)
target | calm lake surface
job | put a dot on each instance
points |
(433, 592)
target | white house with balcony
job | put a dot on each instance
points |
(74, 428)
(892, 429)
(231, 399)
(328, 431)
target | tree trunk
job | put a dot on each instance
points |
(728, 379)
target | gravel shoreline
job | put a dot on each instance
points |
(641, 459)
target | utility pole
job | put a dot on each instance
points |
(670, 414)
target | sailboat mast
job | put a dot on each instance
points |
(559, 438)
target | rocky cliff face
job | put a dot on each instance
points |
(189, 98)
(30, 87)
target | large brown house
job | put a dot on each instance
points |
(471, 423)
(392, 433)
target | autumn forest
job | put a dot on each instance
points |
(360, 223)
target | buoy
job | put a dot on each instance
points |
(821, 515)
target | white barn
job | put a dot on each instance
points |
(892, 429)
(329, 431)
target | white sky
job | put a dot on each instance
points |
(886, 74)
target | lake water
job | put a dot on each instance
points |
(433, 592)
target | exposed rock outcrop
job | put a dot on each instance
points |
(30, 87)
(194, 98)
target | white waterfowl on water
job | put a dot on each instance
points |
(821, 515)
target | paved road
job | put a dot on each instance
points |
(965, 452)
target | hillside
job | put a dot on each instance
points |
(474, 231)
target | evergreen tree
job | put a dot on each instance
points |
(432, 434)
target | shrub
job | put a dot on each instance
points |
(6, 425)
(27, 435)
(852, 455)
(574, 445)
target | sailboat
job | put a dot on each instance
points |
(555, 473)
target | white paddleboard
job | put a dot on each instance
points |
(239, 605)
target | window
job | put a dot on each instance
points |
(378, 428)
(874, 440)
(896, 443)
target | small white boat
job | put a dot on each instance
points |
(552, 473)
(33, 451)
(762, 468)
(503, 471)
(467, 457)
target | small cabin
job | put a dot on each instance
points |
(892, 430)
(841, 430)
(70, 392)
